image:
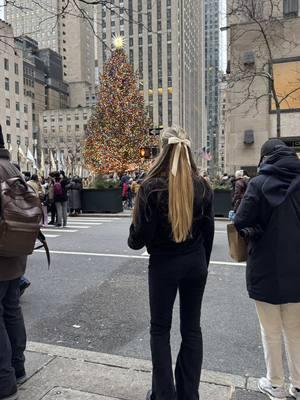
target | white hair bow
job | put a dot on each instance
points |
(186, 143)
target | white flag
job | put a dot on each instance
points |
(42, 162)
(52, 161)
(21, 152)
(31, 158)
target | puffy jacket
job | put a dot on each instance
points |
(272, 200)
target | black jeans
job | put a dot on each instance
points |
(167, 275)
(12, 335)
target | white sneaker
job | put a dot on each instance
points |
(275, 393)
(294, 392)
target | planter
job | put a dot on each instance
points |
(222, 202)
(101, 200)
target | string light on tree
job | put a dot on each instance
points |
(119, 125)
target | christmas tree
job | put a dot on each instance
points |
(119, 125)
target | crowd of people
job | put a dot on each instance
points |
(173, 217)
(60, 196)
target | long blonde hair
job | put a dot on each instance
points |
(180, 185)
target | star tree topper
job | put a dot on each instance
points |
(119, 42)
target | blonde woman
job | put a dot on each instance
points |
(173, 217)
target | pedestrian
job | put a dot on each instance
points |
(240, 187)
(173, 218)
(271, 206)
(35, 183)
(75, 196)
(61, 199)
(129, 194)
(50, 201)
(12, 328)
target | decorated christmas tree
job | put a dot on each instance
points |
(119, 125)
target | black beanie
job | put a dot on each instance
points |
(2, 145)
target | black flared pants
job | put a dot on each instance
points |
(187, 275)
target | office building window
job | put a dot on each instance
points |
(18, 123)
(290, 8)
(6, 84)
(160, 110)
(7, 103)
(17, 87)
(7, 120)
(17, 106)
(25, 108)
(16, 69)
(6, 64)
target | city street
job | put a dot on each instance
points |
(95, 298)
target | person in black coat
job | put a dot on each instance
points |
(173, 218)
(271, 208)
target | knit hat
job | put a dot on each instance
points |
(2, 145)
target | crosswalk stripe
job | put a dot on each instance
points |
(77, 226)
(59, 230)
(51, 236)
(90, 220)
(84, 223)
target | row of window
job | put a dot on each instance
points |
(18, 123)
(62, 129)
(8, 104)
(7, 86)
(6, 66)
(61, 118)
(18, 139)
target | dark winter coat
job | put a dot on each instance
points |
(10, 267)
(272, 200)
(154, 231)
(65, 185)
(75, 195)
(240, 187)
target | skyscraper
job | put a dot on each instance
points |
(68, 33)
(212, 73)
(163, 39)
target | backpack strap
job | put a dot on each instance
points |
(42, 239)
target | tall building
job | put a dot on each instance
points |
(252, 117)
(15, 103)
(67, 33)
(163, 40)
(212, 74)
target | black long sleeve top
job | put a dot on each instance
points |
(153, 230)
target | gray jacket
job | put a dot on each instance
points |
(12, 267)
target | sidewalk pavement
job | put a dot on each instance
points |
(61, 373)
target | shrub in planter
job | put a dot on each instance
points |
(103, 195)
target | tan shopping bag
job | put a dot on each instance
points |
(237, 245)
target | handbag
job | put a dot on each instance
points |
(237, 245)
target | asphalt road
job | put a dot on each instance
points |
(95, 297)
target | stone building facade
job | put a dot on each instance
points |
(251, 116)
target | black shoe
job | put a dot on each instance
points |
(58, 225)
(51, 223)
(12, 395)
(23, 287)
(21, 376)
(149, 395)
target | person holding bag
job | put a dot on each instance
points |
(173, 218)
(270, 214)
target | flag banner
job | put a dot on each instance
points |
(21, 152)
(52, 161)
(42, 167)
(31, 158)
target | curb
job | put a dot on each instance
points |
(210, 377)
